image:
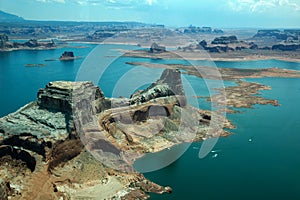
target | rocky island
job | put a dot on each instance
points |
(73, 142)
(68, 55)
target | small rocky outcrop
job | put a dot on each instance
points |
(155, 48)
(67, 55)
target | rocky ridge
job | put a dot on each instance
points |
(75, 143)
(292, 34)
(6, 45)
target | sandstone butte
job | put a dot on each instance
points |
(74, 143)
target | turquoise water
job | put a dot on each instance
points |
(19, 84)
(266, 167)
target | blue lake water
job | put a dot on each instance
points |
(259, 161)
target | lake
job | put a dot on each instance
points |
(260, 160)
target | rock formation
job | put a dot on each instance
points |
(67, 55)
(106, 32)
(206, 30)
(42, 143)
(286, 47)
(221, 44)
(30, 44)
(278, 34)
(203, 44)
(169, 84)
(253, 46)
(225, 40)
(3, 41)
(155, 48)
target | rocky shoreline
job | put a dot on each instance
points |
(73, 142)
(243, 55)
(32, 44)
(241, 96)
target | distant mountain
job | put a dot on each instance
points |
(7, 17)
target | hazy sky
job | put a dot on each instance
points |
(216, 13)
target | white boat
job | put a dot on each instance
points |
(215, 155)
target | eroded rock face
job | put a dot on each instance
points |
(65, 96)
(38, 126)
(168, 85)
